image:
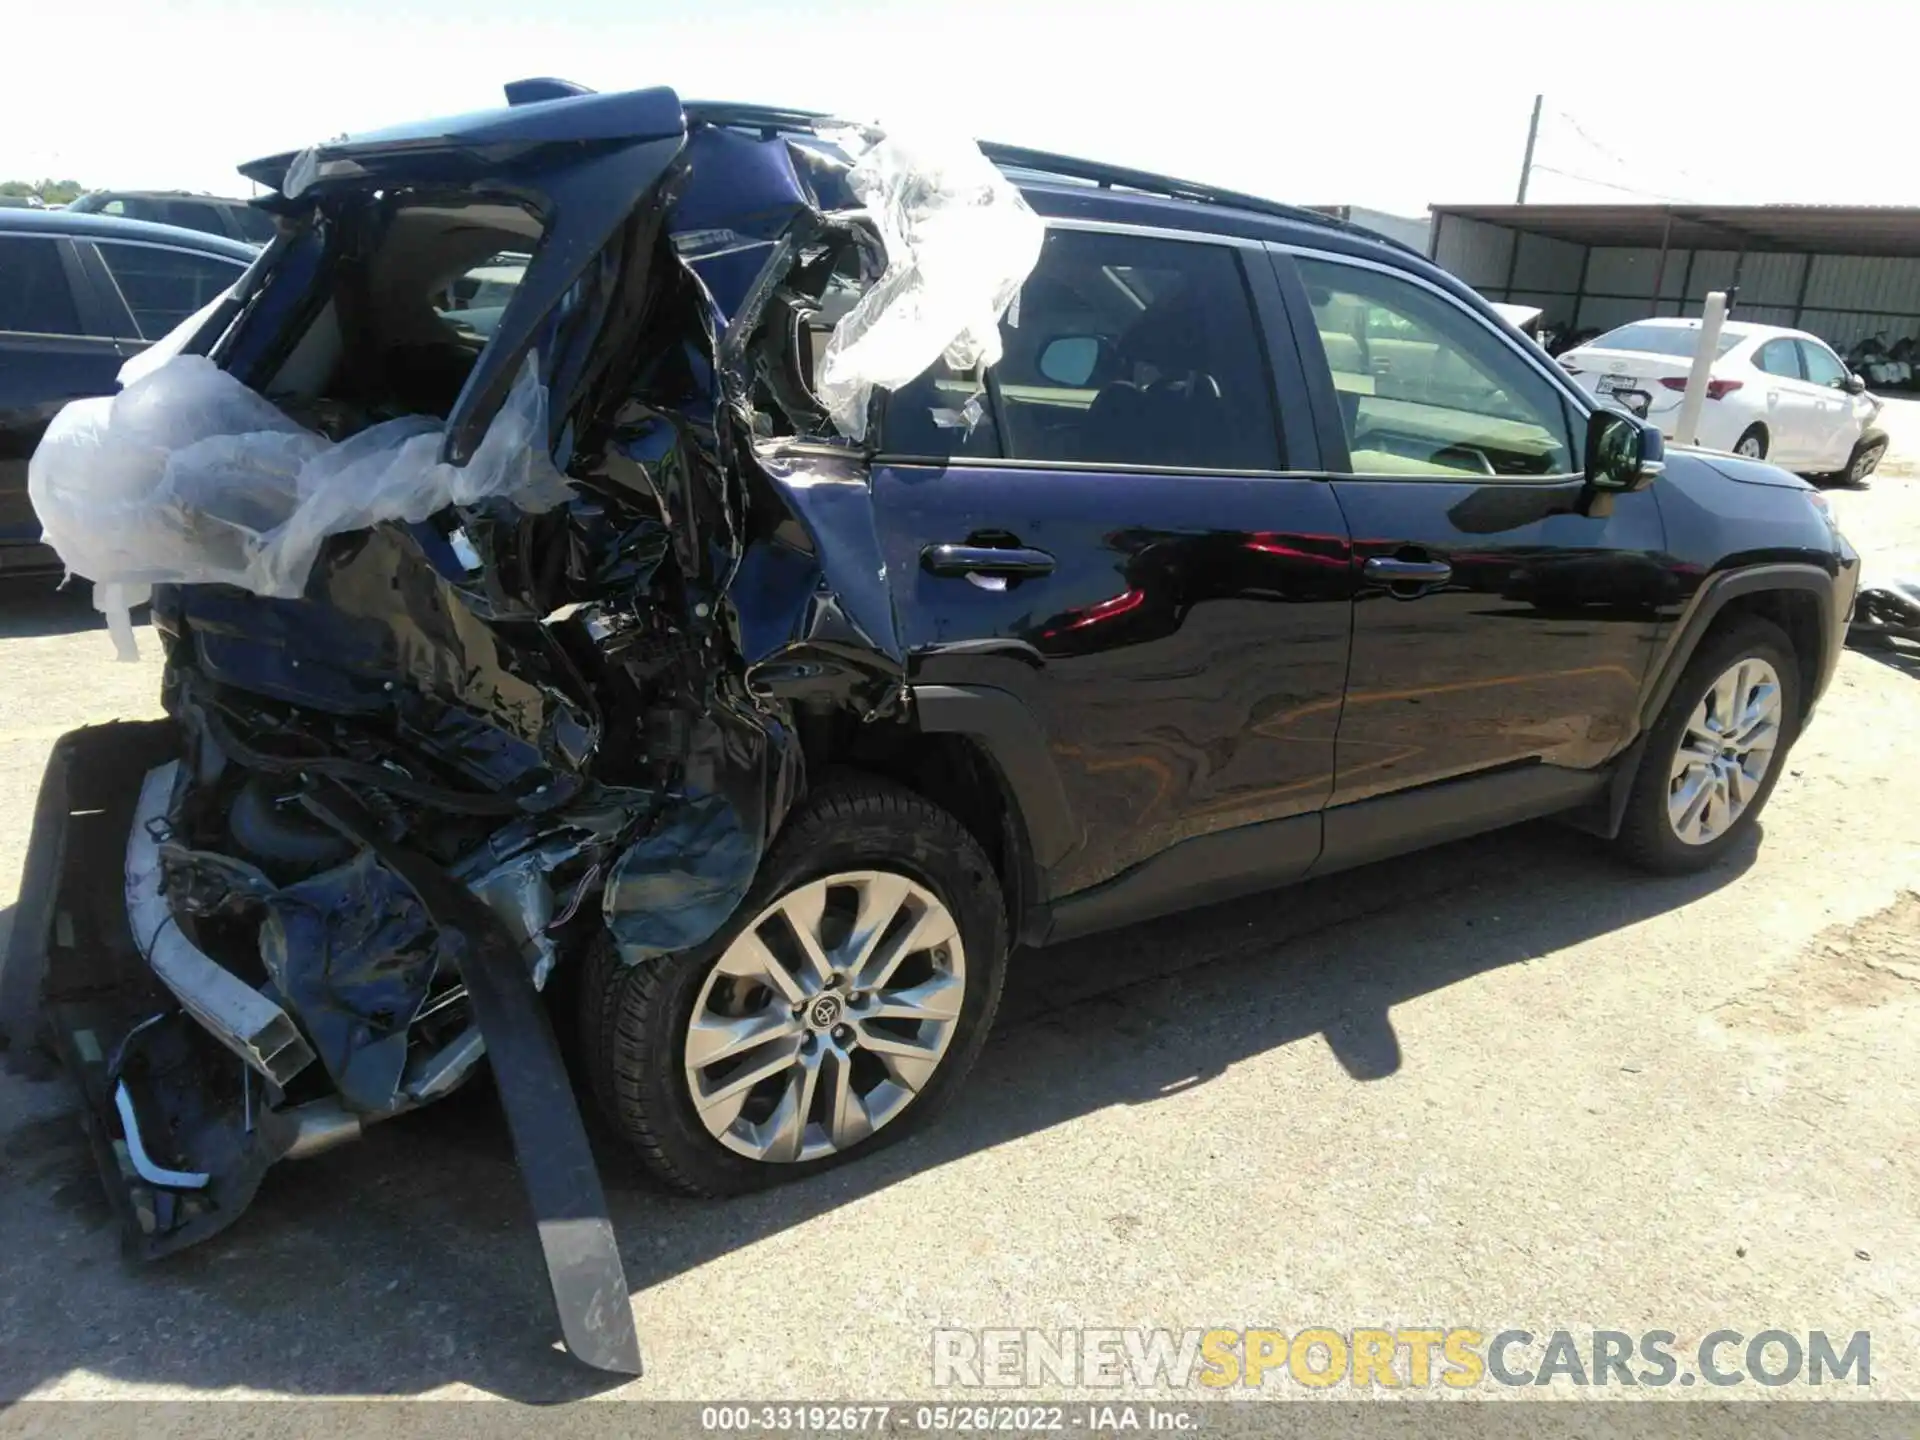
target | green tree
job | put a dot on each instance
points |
(48, 192)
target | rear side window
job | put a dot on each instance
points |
(193, 215)
(1427, 388)
(163, 287)
(35, 298)
(255, 226)
(1779, 357)
(134, 208)
(1120, 350)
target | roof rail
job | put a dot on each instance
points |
(771, 121)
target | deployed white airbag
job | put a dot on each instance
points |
(960, 241)
(188, 477)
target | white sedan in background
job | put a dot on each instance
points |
(1773, 394)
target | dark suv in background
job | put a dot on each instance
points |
(80, 295)
(210, 214)
(1265, 550)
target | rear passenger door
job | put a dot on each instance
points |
(1115, 527)
(1501, 623)
(1842, 416)
(1795, 415)
(53, 348)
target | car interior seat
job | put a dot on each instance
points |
(1168, 408)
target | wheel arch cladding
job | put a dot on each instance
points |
(1798, 615)
(959, 773)
(1799, 598)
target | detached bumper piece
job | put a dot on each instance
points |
(195, 1082)
(1886, 612)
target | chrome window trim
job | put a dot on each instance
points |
(1093, 467)
(1151, 232)
(234, 261)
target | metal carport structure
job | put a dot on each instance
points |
(1844, 272)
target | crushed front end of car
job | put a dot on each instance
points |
(494, 632)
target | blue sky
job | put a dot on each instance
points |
(1371, 102)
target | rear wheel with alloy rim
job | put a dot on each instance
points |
(843, 1004)
(1715, 753)
(826, 1016)
(1752, 444)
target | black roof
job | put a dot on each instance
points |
(115, 227)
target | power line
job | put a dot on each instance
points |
(1618, 160)
(1609, 185)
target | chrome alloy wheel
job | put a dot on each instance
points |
(1748, 447)
(1724, 752)
(826, 1017)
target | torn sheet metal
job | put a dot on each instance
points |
(446, 726)
(187, 477)
(960, 241)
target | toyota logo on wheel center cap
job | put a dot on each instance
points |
(824, 1012)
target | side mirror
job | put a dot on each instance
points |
(1854, 385)
(1071, 360)
(1623, 453)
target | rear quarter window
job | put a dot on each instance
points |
(161, 286)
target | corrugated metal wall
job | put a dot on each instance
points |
(1842, 298)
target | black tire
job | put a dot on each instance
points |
(1647, 836)
(1757, 434)
(634, 1018)
(1868, 451)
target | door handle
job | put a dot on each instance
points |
(1010, 563)
(1391, 570)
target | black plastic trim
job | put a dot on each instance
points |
(1014, 740)
(1388, 825)
(1200, 871)
(1710, 599)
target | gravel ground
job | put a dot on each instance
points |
(1500, 1084)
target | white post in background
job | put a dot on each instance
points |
(1712, 316)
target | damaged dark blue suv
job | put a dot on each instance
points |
(760, 691)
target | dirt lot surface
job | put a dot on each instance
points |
(1505, 1083)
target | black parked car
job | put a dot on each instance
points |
(209, 214)
(79, 295)
(1265, 550)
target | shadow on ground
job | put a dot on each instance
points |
(1900, 655)
(40, 605)
(408, 1262)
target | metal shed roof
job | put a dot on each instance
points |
(1798, 229)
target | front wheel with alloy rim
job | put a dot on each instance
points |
(1715, 754)
(844, 1003)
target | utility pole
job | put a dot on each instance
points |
(1526, 165)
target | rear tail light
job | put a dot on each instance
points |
(1716, 389)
